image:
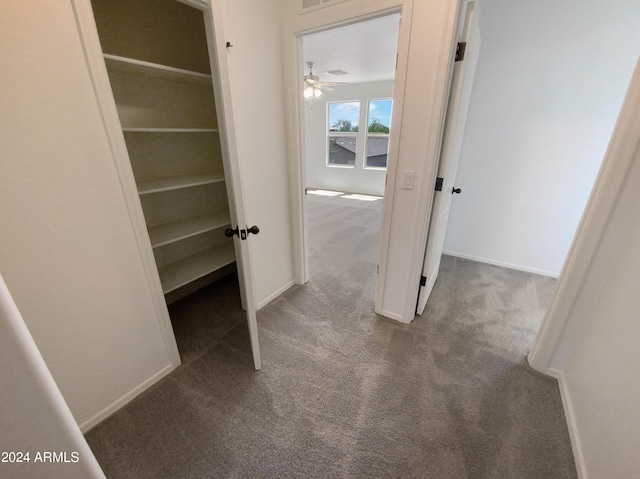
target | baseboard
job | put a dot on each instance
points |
(569, 414)
(273, 296)
(503, 264)
(113, 407)
(390, 315)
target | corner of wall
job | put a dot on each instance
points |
(570, 418)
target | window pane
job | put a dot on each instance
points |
(379, 118)
(342, 150)
(344, 115)
(377, 151)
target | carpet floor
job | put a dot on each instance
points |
(345, 393)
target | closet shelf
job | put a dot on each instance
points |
(169, 130)
(131, 65)
(180, 273)
(185, 228)
(168, 184)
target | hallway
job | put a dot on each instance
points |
(345, 393)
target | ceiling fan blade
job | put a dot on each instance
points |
(325, 88)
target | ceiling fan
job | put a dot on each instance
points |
(313, 87)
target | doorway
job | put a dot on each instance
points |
(158, 75)
(346, 124)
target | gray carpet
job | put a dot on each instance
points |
(345, 393)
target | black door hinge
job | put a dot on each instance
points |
(423, 280)
(460, 49)
(439, 183)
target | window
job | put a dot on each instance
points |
(377, 140)
(343, 133)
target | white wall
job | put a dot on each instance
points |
(67, 249)
(31, 402)
(256, 76)
(354, 180)
(602, 373)
(589, 338)
(549, 85)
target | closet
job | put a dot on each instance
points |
(158, 64)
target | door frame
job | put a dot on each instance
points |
(298, 188)
(328, 19)
(432, 28)
(212, 13)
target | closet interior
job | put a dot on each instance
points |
(158, 64)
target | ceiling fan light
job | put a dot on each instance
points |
(308, 92)
(317, 92)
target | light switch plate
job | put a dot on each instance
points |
(408, 180)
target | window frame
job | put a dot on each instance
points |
(337, 134)
(375, 135)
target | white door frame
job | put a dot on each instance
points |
(414, 141)
(212, 11)
(294, 64)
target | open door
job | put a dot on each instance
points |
(458, 106)
(240, 231)
(164, 73)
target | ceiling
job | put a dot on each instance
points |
(366, 50)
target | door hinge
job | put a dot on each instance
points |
(377, 269)
(439, 183)
(423, 280)
(460, 49)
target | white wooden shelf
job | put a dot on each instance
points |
(131, 65)
(169, 121)
(182, 229)
(180, 273)
(168, 184)
(170, 130)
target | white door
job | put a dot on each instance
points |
(459, 96)
(245, 233)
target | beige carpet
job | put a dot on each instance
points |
(345, 393)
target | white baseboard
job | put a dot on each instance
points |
(113, 407)
(391, 315)
(273, 296)
(503, 264)
(569, 414)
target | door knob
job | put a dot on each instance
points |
(456, 190)
(230, 232)
(254, 230)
